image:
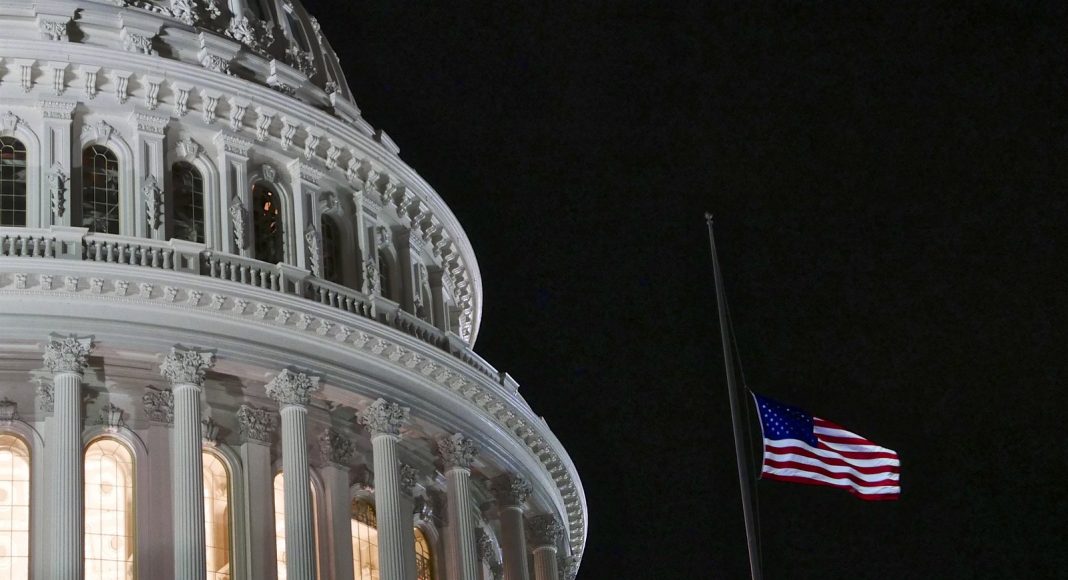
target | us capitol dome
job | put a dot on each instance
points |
(236, 330)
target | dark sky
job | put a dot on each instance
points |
(889, 186)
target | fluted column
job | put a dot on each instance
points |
(384, 421)
(257, 429)
(185, 370)
(544, 532)
(293, 392)
(409, 478)
(336, 452)
(458, 453)
(67, 358)
(511, 492)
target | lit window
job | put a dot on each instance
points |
(188, 202)
(217, 516)
(364, 541)
(14, 508)
(100, 190)
(12, 182)
(267, 224)
(280, 524)
(109, 513)
(424, 570)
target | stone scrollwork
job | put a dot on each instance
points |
(239, 221)
(159, 406)
(457, 450)
(371, 281)
(54, 29)
(68, 354)
(57, 188)
(313, 245)
(384, 418)
(187, 367)
(409, 477)
(257, 424)
(511, 490)
(335, 448)
(9, 411)
(188, 148)
(112, 417)
(153, 195)
(209, 431)
(9, 122)
(568, 566)
(290, 388)
(46, 396)
(544, 530)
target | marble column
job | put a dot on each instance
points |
(384, 421)
(511, 492)
(67, 358)
(458, 453)
(293, 391)
(545, 532)
(336, 452)
(257, 429)
(409, 478)
(185, 369)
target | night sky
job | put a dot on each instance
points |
(889, 190)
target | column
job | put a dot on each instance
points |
(235, 195)
(384, 421)
(458, 453)
(67, 358)
(511, 492)
(336, 453)
(545, 532)
(293, 392)
(55, 197)
(257, 427)
(149, 175)
(409, 478)
(185, 370)
(158, 555)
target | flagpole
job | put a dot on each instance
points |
(741, 448)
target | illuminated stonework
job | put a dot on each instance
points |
(213, 271)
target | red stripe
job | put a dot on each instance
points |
(828, 473)
(833, 460)
(860, 454)
(806, 481)
(844, 440)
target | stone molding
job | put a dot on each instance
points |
(257, 425)
(335, 448)
(511, 490)
(384, 418)
(68, 354)
(544, 530)
(291, 388)
(458, 451)
(187, 367)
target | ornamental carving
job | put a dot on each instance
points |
(188, 148)
(209, 431)
(383, 237)
(409, 477)
(9, 411)
(112, 417)
(290, 388)
(54, 30)
(371, 281)
(511, 490)
(456, 450)
(153, 195)
(187, 367)
(68, 354)
(384, 418)
(544, 530)
(159, 405)
(256, 424)
(57, 188)
(313, 246)
(335, 448)
(9, 122)
(46, 396)
(239, 222)
(568, 566)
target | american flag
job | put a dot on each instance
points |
(805, 449)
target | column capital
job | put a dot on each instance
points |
(457, 450)
(511, 490)
(544, 531)
(292, 389)
(335, 449)
(257, 424)
(384, 418)
(187, 367)
(67, 354)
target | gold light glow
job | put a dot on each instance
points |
(14, 508)
(109, 514)
(217, 516)
(364, 541)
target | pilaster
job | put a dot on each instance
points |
(235, 194)
(148, 146)
(336, 452)
(56, 151)
(458, 453)
(257, 430)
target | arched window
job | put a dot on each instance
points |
(217, 516)
(100, 190)
(331, 269)
(188, 202)
(364, 541)
(109, 512)
(14, 507)
(267, 223)
(12, 182)
(280, 523)
(424, 570)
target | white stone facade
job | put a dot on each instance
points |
(214, 253)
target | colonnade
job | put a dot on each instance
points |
(185, 369)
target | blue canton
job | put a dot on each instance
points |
(785, 422)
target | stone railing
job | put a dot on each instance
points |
(65, 243)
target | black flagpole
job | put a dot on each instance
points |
(741, 447)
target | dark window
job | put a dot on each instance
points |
(12, 182)
(188, 202)
(331, 271)
(100, 190)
